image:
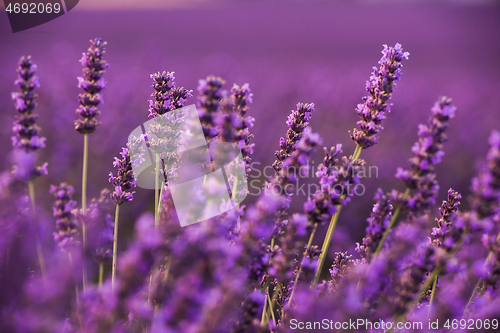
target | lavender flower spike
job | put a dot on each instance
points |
(25, 129)
(66, 224)
(211, 94)
(92, 83)
(379, 87)
(486, 187)
(297, 121)
(167, 96)
(428, 152)
(124, 179)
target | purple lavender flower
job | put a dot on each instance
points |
(448, 233)
(25, 129)
(486, 187)
(211, 94)
(167, 96)
(321, 207)
(101, 227)
(124, 179)
(66, 224)
(378, 222)
(235, 125)
(428, 152)
(92, 83)
(380, 87)
(341, 268)
(297, 121)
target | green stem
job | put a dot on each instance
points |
(391, 224)
(84, 203)
(478, 284)
(264, 313)
(41, 261)
(157, 186)
(115, 247)
(101, 274)
(433, 292)
(271, 309)
(309, 243)
(331, 229)
(84, 184)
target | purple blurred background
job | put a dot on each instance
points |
(289, 52)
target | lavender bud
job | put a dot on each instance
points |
(63, 209)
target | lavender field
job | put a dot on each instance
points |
(415, 243)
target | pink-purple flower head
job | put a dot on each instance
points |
(297, 121)
(92, 83)
(486, 187)
(63, 210)
(26, 132)
(124, 179)
(211, 93)
(166, 96)
(380, 87)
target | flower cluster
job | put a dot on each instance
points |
(211, 94)
(428, 151)
(380, 87)
(92, 83)
(486, 187)
(297, 121)
(444, 235)
(63, 209)
(124, 179)
(167, 96)
(377, 225)
(235, 125)
(25, 129)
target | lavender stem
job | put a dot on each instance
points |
(115, 246)
(391, 224)
(331, 229)
(41, 261)
(101, 274)
(84, 201)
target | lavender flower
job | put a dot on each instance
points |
(66, 224)
(378, 222)
(380, 87)
(167, 96)
(101, 227)
(124, 179)
(428, 152)
(235, 125)
(321, 207)
(297, 121)
(92, 83)
(25, 129)
(210, 97)
(446, 235)
(486, 187)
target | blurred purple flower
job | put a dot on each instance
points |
(64, 212)
(211, 94)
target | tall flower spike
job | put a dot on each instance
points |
(428, 152)
(166, 96)
(124, 179)
(63, 209)
(380, 86)
(235, 125)
(92, 83)
(297, 121)
(211, 94)
(486, 187)
(446, 235)
(25, 129)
